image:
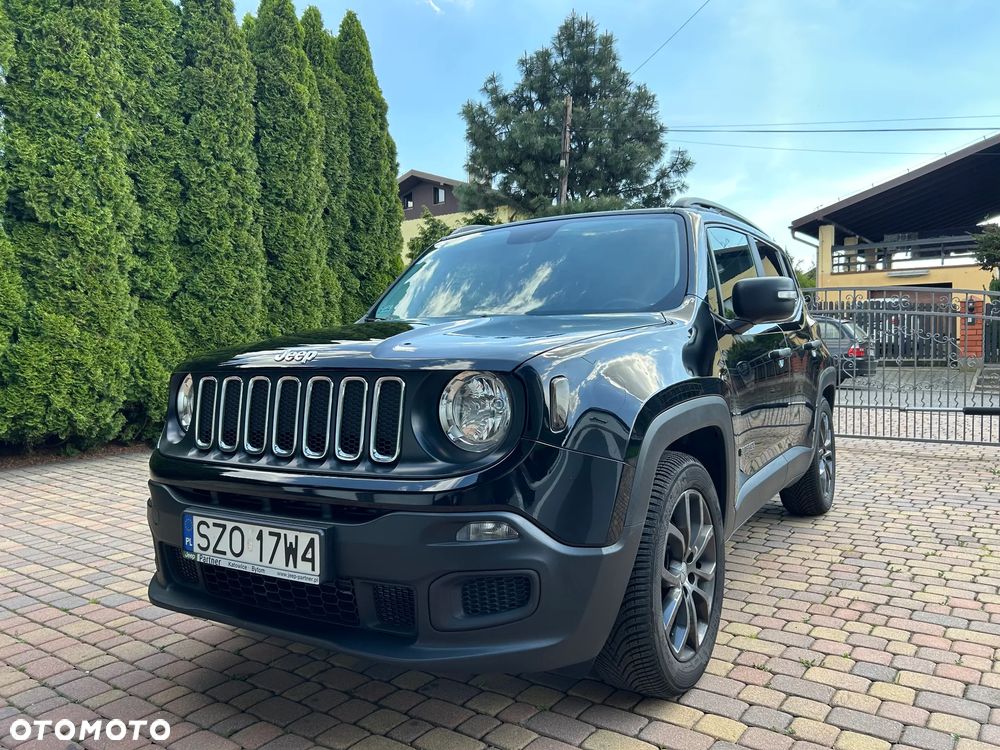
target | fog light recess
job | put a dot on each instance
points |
(486, 531)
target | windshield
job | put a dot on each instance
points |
(619, 263)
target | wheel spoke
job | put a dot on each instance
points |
(705, 539)
(670, 578)
(671, 608)
(694, 631)
(686, 503)
(705, 571)
(676, 534)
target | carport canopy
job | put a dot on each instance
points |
(957, 191)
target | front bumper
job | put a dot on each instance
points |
(398, 588)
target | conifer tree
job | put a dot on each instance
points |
(72, 217)
(289, 151)
(320, 47)
(374, 241)
(153, 127)
(618, 151)
(220, 253)
(11, 291)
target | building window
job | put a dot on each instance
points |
(438, 195)
(408, 201)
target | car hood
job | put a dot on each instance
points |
(497, 343)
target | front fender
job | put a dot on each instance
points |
(663, 430)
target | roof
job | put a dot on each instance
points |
(411, 178)
(958, 190)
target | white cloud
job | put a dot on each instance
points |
(434, 6)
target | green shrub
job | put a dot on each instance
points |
(72, 219)
(339, 280)
(289, 151)
(220, 253)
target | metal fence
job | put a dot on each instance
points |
(918, 363)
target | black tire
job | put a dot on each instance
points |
(638, 654)
(812, 495)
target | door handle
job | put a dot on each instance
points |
(782, 353)
(813, 345)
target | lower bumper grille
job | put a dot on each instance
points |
(493, 595)
(334, 602)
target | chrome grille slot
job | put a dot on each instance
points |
(316, 430)
(351, 408)
(230, 413)
(387, 420)
(204, 429)
(286, 416)
(258, 411)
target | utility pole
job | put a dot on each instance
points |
(564, 155)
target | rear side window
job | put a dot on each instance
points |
(828, 331)
(733, 261)
(770, 260)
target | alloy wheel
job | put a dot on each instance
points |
(688, 577)
(827, 458)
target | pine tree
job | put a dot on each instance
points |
(153, 126)
(374, 240)
(72, 217)
(320, 47)
(11, 290)
(618, 155)
(221, 257)
(289, 150)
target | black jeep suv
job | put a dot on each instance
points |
(528, 456)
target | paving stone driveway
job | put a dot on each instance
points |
(877, 626)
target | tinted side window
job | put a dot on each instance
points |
(770, 259)
(733, 259)
(828, 331)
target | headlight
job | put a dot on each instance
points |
(475, 411)
(185, 402)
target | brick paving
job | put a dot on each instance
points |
(875, 627)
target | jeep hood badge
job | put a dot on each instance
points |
(291, 355)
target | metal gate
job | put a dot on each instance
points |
(915, 363)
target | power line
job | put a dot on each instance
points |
(842, 122)
(833, 130)
(667, 41)
(809, 150)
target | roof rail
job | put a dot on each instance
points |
(692, 202)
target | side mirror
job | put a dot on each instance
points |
(766, 299)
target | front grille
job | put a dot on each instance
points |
(258, 410)
(333, 602)
(387, 410)
(319, 417)
(492, 595)
(230, 414)
(204, 427)
(394, 606)
(286, 417)
(351, 405)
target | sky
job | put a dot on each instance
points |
(737, 62)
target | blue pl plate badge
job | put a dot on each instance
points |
(188, 535)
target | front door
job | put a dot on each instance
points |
(753, 362)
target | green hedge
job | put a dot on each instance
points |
(174, 187)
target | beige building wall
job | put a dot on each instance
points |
(412, 226)
(960, 277)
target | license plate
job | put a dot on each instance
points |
(252, 548)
